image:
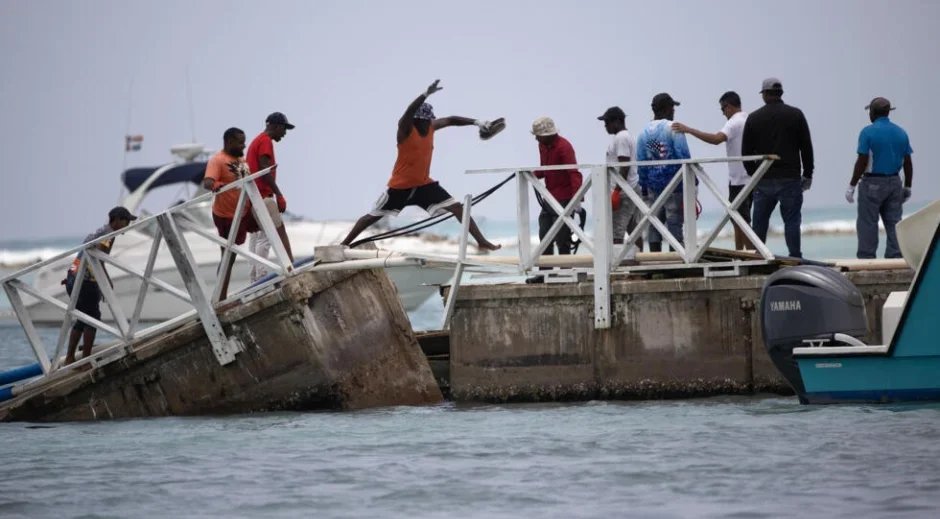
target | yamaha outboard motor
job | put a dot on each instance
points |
(807, 302)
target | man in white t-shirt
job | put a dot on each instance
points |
(625, 214)
(730, 134)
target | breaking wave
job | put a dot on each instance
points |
(19, 258)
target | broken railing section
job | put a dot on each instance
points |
(196, 298)
(606, 255)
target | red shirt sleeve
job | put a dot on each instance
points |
(266, 147)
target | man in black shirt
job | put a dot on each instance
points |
(779, 129)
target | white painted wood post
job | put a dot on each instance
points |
(67, 319)
(27, 323)
(145, 282)
(223, 347)
(461, 258)
(107, 292)
(689, 217)
(263, 218)
(227, 251)
(602, 247)
(522, 216)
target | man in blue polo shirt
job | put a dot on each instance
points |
(883, 149)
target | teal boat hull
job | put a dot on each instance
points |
(906, 370)
(869, 379)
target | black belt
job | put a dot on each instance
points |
(880, 175)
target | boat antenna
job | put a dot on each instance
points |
(127, 132)
(189, 97)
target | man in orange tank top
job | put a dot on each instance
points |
(411, 182)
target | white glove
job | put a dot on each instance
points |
(850, 194)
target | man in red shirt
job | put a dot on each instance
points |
(260, 155)
(555, 150)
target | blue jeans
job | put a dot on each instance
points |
(670, 214)
(878, 196)
(789, 193)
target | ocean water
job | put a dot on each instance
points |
(718, 457)
(761, 456)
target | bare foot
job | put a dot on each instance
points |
(488, 246)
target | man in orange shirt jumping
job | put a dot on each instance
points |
(411, 182)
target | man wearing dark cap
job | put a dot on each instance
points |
(89, 295)
(779, 129)
(624, 213)
(658, 141)
(260, 155)
(411, 182)
(883, 149)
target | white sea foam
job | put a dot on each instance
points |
(18, 258)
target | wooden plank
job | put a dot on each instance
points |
(871, 264)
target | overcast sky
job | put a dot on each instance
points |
(76, 76)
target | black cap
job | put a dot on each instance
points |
(279, 118)
(120, 213)
(613, 113)
(880, 104)
(663, 100)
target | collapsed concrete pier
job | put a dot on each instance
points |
(315, 340)
(669, 338)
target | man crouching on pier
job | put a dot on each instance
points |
(89, 295)
(411, 182)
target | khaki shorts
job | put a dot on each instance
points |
(626, 217)
(271, 204)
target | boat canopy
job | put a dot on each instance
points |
(188, 172)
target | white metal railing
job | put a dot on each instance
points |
(605, 254)
(196, 300)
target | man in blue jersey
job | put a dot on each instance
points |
(883, 150)
(658, 141)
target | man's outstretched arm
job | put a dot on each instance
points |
(406, 122)
(710, 138)
(455, 120)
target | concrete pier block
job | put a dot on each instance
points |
(328, 340)
(671, 338)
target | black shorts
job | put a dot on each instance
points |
(224, 227)
(431, 197)
(745, 208)
(89, 298)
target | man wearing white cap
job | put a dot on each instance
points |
(883, 150)
(555, 150)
